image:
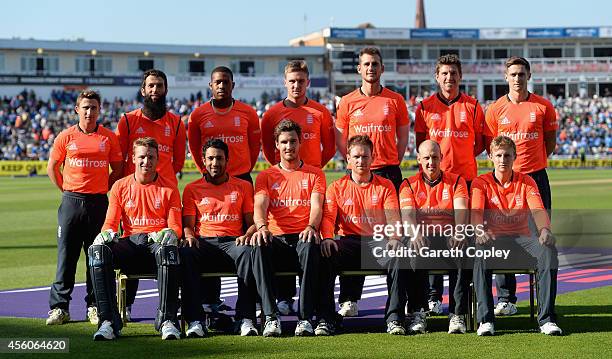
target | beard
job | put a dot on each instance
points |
(154, 109)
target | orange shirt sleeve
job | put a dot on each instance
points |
(330, 211)
(490, 126)
(320, 183)
(123, 135)
(479, 191)
(406, 197)
(248, 203)
(402, 118)
(391, 201)
(189, 207)
(342, 121)
(180, 142)
(419, 121)
(461, 189)
(254, 134)
(479, 119)
(550, 118)
(113, 214)
(194, 135)
(261, 184)
(534, 200)
(268, 122)
(58, 152)
(174, 213)
(328, 137)
(115, 154)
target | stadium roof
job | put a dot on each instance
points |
(153, 49)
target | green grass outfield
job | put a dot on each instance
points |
(28, 209)
(585, 318)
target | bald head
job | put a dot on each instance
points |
(429, 157)
(428, 146)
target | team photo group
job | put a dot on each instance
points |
(122, 207)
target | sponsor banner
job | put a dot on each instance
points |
(390, 33)
(545, 32)
(345, 33)
(503, 33)
(582, 32)
(23, 168)
(462, 33)
(26, 168)
(428, 33)
(444, 33)
(70, 80)
(605, 32)
(241, 81)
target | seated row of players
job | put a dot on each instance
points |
(283, 234)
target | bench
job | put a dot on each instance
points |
(471, 320)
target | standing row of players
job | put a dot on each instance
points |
(449, 117)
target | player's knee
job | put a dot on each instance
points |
(167, 256)
(99, 255)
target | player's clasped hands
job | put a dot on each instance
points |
(106, 237)
(485, 238)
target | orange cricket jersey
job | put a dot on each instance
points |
(289, 194)
(219, 209)
(525, 123)
(376, 116)
(318, 144)
(143, 208)
(86, 158)
(434, 204)
(351, 209)
(239, 129)
(454, 126)
(507, 210)
(168, 131)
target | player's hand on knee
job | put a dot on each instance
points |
(242, 240)
(419, 242)
(310, 234)
(485, 238)
(190, 242)
(106, 237)
(261, 237)
(393, 244)
(546, 237)
(328, 247)
(165, 237)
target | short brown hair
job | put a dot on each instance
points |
(517, 60)
(148, 142)
(448, 59)
(287, 126)
(359, 140)
(89, 94)
(502, 141)
(372, 51)
(297, 66)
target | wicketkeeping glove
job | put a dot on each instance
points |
(165, 237)
(105, 237)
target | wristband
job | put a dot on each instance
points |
(261, 226)
(313, 227)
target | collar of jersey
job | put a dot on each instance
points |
(434, 182)
(378, 94)
(509, 100)
(81, 130)
(448, 103)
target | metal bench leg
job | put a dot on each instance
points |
(470, 312)
(122, 297)
(531, 298)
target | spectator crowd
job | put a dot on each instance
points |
(28, 124)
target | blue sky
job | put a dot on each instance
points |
(242, 22)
